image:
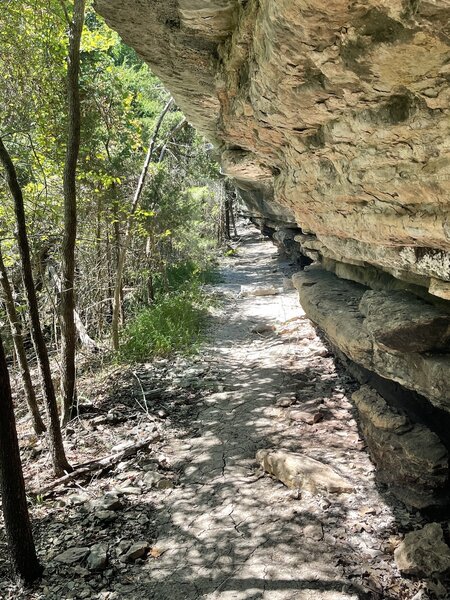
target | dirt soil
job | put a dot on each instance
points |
(203, 519)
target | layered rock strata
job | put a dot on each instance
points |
(338, 110)
(339, 308)
(333, 120)
(401, 338)
(410, 457)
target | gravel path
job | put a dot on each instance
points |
(228, 531)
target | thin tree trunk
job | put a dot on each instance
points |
(98, 253)
(59, 460)
(80, 328)
(227, 208)
(14, 502)
(68, 329)
(117, 246)
(16, 330)
(109, 273)
(232, 209)
(128, 228)
(149, 254)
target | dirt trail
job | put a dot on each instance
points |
(227, 531)
(216, 526)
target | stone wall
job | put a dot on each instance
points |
(333, 120)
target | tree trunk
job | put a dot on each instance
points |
(68, 329)
(227, 209)
(117, 246)
(16, 330)
(80, 328)
(59, 460)
(128, 228)
(14, 503)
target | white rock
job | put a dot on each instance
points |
(253, 290)
(302, 472)
(423, 552)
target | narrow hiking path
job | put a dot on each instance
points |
(226, 531)
(193, 516)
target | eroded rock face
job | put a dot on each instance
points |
(341, 108)
(410, 458)
(335, 305)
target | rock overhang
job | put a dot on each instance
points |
(341, 108)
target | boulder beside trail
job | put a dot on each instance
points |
(302, 472)
(423, 552)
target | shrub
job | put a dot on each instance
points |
(175, 323)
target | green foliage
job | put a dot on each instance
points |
(174, 324)
(121, 100)
(176, 321)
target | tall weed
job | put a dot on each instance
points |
(176, 321)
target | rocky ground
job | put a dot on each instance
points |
(192, 514)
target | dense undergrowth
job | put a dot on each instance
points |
(175, 322)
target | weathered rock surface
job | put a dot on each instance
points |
(72, 555)
(98, 557)
(302, 472)
(339, 110)
(423, 552)
(410, 458)
(334, 305)
(403, 322)
(258, 290)
(137, 550)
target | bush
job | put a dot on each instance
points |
(175, 323)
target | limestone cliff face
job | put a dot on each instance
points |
(342, 108)
(333, 118)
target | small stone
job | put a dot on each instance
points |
(285, 400)
(304, 416)
(263, 328)
(72, 555)
(249, 290)
(124, 545)
(151, 478)
(109, 502)
(137, 550)
(165, 484)
(76, 499)
(105, 515)
(423, 552)
(313, 531)
(98, 557)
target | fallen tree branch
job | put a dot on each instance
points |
(94, 465)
